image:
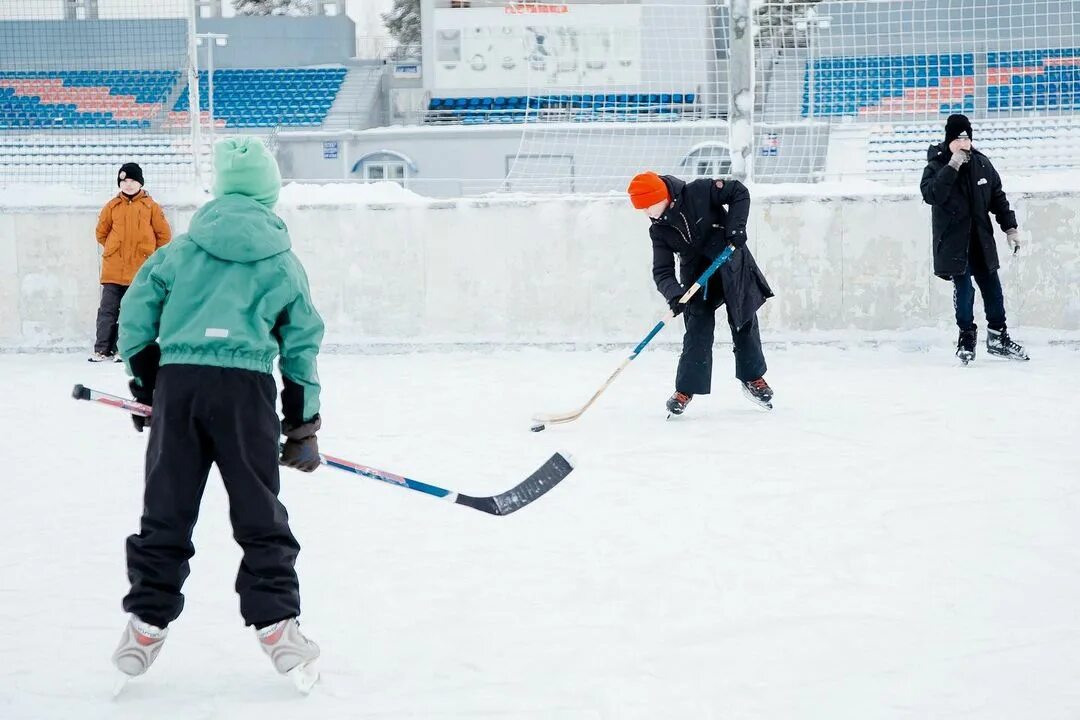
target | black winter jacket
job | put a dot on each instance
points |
(697, 228)
(962, 201)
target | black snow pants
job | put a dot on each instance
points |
(694, 375)
(204, 415)
(107, 315)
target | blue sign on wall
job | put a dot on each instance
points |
(770, 145)
(330, 149)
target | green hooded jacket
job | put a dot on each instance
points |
(229, 293)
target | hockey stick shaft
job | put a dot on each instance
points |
(557, 467)
(668, 317)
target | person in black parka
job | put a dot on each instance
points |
(689, 219)
(964, 189)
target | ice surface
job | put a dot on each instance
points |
(898, 539)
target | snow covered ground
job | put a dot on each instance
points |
(900, 538)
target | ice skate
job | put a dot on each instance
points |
(758, 392)
(291, 652)
(677, 403)
(965, 345)
(139, 647)
(999, 343)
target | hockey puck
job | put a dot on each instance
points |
(538, 427)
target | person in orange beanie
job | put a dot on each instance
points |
(696, 220)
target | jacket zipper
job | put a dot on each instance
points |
(686, 224)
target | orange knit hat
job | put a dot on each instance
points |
(647, 189)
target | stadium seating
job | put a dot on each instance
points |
(897, 152)
(1033, 80)
(76, 99)
(624, 107)
(90, 159)
(890, 85)
(267, 97)
(135, 99)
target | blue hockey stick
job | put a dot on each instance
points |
(547, 476)
(542, 421)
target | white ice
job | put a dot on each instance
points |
(900, 538)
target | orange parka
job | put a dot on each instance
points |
(130, 231)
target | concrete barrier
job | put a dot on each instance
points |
(538, 270)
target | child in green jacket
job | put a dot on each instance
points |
(200, 328)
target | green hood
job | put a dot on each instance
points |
(239, 229)
(229, 293)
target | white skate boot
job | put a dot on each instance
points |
(139, 647)
(291, 652)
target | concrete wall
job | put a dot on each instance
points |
(453, 161)
(450, 162)
(564, 269)
(150, 44)
(276, 41)
(162, 43)
(873, 27)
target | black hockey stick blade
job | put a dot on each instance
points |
(547, 476)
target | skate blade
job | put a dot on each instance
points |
(120, 684)
(764, 404)
(304, 677)
(1008, 356)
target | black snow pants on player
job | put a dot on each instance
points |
(694, 374)
(208, 415)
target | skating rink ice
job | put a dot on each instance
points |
(899, 538)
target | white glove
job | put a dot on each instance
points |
(958, 158)
(1013, 236)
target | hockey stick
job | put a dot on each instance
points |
(542, 421)
(547, 476)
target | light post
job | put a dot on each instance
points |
(221, 40)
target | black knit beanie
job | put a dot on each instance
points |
(130, 171)
(956, 126)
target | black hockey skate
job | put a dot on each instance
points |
(758, 392)
(677, 403)
(999, 343)
(965, 345)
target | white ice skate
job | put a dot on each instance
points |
(139, 647)
(291, 652)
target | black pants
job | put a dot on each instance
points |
(694, 375)
(993, 299)
(205, 415)
(107, 316)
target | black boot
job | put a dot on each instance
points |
(999, 343)
(758, 392)
(965, 345)
(677, 403)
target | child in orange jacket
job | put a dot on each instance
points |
(130, 228)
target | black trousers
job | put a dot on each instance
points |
(694, 375)
(993, 299)
(204, 415)
(107, 316)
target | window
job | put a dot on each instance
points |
(385, 165)
(708, 160)
(385, 170)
